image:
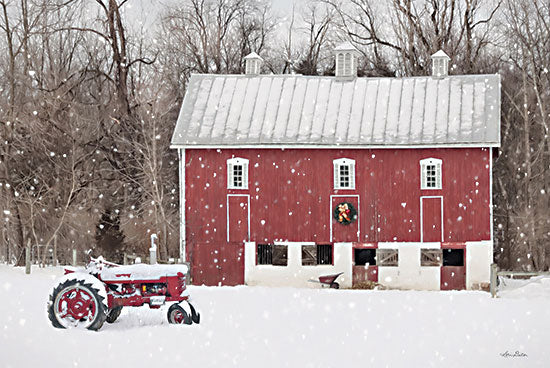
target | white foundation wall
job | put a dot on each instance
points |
(294, 274)
(479, 256)
(408, 274)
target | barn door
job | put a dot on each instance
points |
(238, 212)
(204, 264)
(231, 264)
(214, 264)
(453, 271)
(344, 228)
(431, 216)
(364, 264)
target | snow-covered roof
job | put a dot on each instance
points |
(441, 54)
(253, 55)
(295, 110)
(346, 46)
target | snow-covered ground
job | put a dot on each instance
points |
(285, 327)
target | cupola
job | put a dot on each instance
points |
(440, 64)
(346, 60)
(253, 64)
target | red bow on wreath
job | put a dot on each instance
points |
(345, 213)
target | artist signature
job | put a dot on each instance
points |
(516, 354)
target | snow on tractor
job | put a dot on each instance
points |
(87, 297)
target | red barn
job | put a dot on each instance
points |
(286, 177)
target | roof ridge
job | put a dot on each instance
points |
(451, 76)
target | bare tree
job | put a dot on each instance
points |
(213, 36)
(414, 30)
(522, 168)
(314, 54)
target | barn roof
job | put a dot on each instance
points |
(302, 111)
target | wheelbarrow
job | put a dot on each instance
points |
(329, 280)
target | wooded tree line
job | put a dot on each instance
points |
(89, 99)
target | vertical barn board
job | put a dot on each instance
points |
(205, 267)
(232, 264)
(237, 218)
(340, 232)
(431, 219)
(290, 193)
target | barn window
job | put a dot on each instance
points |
(430, 173)
(316, 254)
(431, 257)
(365, 257)
(387, 257)
(270, 254)
(344, 173)
(237, 173)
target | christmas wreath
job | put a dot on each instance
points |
(345, 213)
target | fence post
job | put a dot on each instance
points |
(28, 257)
(74, 257)
(54, 260)
(153, 249)
(493, 280)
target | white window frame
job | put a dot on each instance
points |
(336, 173)
(231, 163)
(424, 173)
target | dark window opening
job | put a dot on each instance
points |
(269, 254)
(344, 176)
(453, 257)
(238, 176)
(264, 254)
(318, 254)
(430, 176)
(280, 255)
(365, 256)
(324, 254)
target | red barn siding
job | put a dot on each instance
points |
(290, 193)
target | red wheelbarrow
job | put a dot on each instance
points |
(329, 280)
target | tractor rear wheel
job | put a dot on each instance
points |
(76, 303)
(177, 315)
(113, 314)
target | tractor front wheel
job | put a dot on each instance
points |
(76, 303)
(195, 317)
(177, 315)
(113, 314)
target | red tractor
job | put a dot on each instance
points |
(87, 297)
